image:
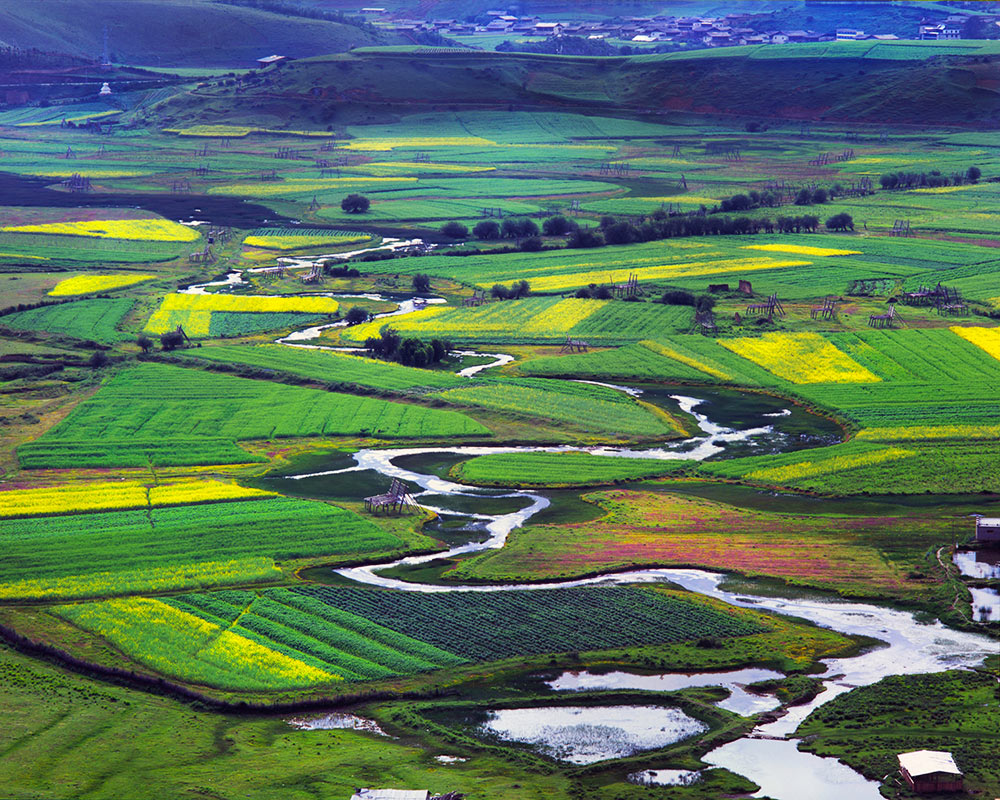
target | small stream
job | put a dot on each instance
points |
(767, 756)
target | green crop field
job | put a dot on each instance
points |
(558, 469)
(129, 552)
(237, 323)
(152, 404)
(333, 367)
(82, 319)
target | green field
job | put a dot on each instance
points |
(558, 469)
(187, 547)
(82, 319)
(143, 409)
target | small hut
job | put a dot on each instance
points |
(929, 771)
(391, 794)
(987, 529)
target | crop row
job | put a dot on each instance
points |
(486, 626)
(104, 544)
(154, 230)
(155, 401)
(96, 319)
(558, 469)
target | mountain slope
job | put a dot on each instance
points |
(172, 32)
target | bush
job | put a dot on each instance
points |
(558, 226)
(585, 237)
(421, 283)
(518, 228)
(98, 359)
(356, 315)
(455, 230)
(840, 222)
(532, 244)
(145, 343)
(487, 229)
(355, 204)
(678, 297)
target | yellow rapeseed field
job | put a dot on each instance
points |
(89, 172)
(555, 283)
(802, 250)
(144, 579)
(181, 644)
(194, 311)
(807, 469)
(669, 352)
(417, 322)
(918, 432)
(561, 317)
(987, 339)
(117, 495)
(801, 358)
(85, 284)
(147, 230)
(945, 189)
(395, 167)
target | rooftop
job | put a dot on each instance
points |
(990, 521)
(927, 762)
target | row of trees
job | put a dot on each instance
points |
(934, 178)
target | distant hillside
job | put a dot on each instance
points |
(847, 81)
(173, 33)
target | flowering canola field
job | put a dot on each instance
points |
(150, 230)
(987, 339)
(802, 250)
(194, 311)
(87, 284)
(117, 495)
(801, 358)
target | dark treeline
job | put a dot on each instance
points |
(932, 179)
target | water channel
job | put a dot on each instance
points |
(769, 756)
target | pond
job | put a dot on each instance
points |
(588, 734)
(739, 701)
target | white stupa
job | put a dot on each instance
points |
(105, 89)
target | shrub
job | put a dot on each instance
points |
(487, 229)
(355, 204)
(455, 230)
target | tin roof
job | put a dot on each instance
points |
(926, 762)
(993, 522)
(392, 794)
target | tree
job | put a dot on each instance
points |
(820, 196)
(973, 174)
(98, 359)
(144, 342)
(518, 228)
(519, 289)
(421, 283)
(803, 197)
(678, 297)
(602, 293)
(607, 221)
(532, 244)
(487, 229)
(840, 222)
(414, 353)
(355, 204)
(171, 340)
(499, 291)
(558, 226)
(585, 237)
(356, 315)
(621, 233)
(455, 230)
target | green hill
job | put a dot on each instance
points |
(920, 83)
(176, 33)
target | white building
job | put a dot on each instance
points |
(988, 529)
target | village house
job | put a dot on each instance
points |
(930, 771)
(850, 34)
(988, 529)
(940, 31)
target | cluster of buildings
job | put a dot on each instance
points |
(725, 31)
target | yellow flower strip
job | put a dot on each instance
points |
(144, 579)
(663, 350)
(186, 646)
(987, 339)
(807, 469)
(147, 230)
(801, 358)
(117, 495)
(193, 311)
(802, 250)
(668, 271)
(562, 316)
(415, 322)
(945, 189)
(85, 284)
(393, 167)
(94, 172)
(920, 432)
